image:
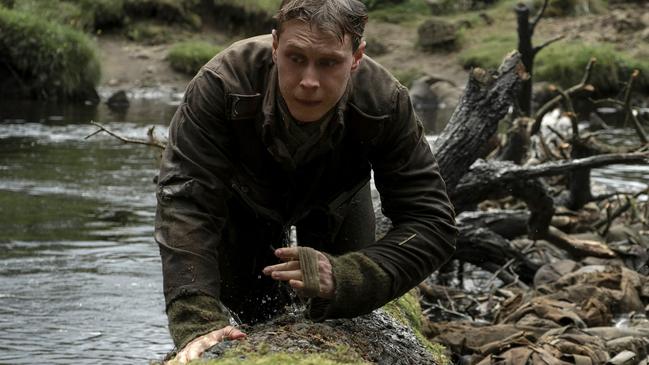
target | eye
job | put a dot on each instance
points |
(328, 62)
(296, 58)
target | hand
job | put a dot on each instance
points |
(290, 271)
(197, 346)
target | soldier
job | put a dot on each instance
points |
(284, 130)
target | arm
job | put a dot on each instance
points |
(191, 209)
(413, 196)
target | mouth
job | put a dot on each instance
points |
(308, 102)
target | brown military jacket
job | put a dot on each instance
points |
(223, 145)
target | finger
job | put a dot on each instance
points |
(285, 266)
(296, 284)
(287, 253)
(287, 275)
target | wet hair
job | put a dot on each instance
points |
(337, 17)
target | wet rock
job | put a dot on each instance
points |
(436, 33)
(376, 337)
(118, 101)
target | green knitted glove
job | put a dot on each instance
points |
(194, 316)
(361, 286)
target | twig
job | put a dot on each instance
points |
(153, 143)
(538, 16)
(629, 110)
(495, 275)
(538, 48)
(557, 133)
(582, 86)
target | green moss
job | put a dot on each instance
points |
(407, 310)
(408, 11)
(189, 57)
(565, 63)
(86, 15)
(46, 59)
(340, 355)
(266, 6)
(407, 76)
(489, 52)
(150, 33)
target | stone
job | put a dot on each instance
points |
(118, 101)
(436, 33)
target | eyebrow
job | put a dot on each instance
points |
(290, 46)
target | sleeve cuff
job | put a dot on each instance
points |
(193, 316)
(361, 286)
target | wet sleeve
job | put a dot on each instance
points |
(413, 196)
(191, 192)
(193, 316)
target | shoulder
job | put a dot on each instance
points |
(244, 66)
(375, 91)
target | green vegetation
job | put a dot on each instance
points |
(45, 59)
(80, 14)
(266, 6)
(408, 11)
(407, 76)
(565, 63)
(148, 32)
(341, 355)
(189, 57)
(490, 52)
(407, 310)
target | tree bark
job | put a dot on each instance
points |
(486, 101)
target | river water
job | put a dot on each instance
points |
(80, 276)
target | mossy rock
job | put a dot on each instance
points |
(188, 57)
(390, 335)
(45, 60)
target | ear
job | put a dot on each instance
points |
(275, 45)
(358, 55)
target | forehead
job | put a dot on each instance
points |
(298, 34)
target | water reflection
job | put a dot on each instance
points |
(79, 272)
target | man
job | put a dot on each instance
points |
(280, 131)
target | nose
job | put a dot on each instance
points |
(310, 78)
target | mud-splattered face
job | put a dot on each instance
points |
(313, 68)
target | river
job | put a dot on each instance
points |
(80, 275)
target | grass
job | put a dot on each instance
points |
(188, 57)
(48, 59)
(267, 6)
(88, 15)
(565, 63)
(407, 12)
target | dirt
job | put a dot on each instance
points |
(129, 65)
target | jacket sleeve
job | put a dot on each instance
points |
(413, 196)
(192, 194)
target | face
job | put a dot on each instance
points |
(313, 68)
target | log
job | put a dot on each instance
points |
(390, 335)
(487, 99)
